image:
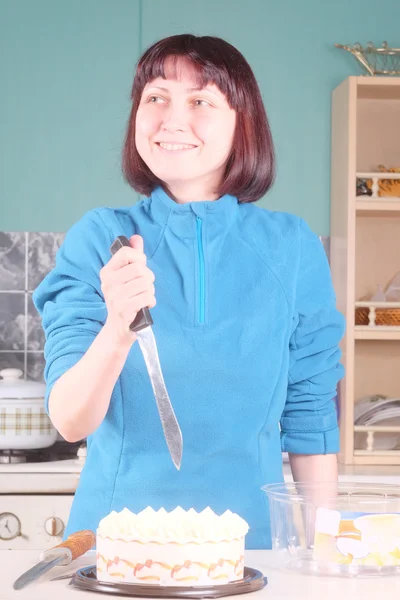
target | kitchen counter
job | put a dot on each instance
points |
(281, 585)
(62, 477)
(360, 473)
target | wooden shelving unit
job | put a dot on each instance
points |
(368, 333)
(377, 206)
(365, 249)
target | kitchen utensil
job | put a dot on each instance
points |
(147, 342)
(314, 528)
(76, 545)
(61, 577)
(252, 581)
(24, 424)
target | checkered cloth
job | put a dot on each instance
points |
(24, 421)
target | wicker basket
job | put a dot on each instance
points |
(384, 316)
(376, 61)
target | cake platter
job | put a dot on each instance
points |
(85, 579)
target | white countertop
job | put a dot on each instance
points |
(360, 473)
(62, 477)
(281, 585)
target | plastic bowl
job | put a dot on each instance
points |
(336, 529)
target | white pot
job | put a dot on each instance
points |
(24, 423)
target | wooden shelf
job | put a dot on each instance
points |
(376, 333)
(378, 206)
(394, 453)
(377, 429)
(365, 247)
(377, 87)
(390, 458)
(378, 174)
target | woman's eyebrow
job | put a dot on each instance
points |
(201, 89)
(189, 90)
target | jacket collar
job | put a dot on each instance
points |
(162, 208)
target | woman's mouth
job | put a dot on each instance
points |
(175, 147)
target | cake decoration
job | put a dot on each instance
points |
(171, 548)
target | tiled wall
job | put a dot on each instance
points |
(25, 258)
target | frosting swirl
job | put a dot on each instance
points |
(177, 525)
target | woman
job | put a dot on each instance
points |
(245, 321)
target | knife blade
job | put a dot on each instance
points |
(141, 325)
(62, 554)
(36, 571)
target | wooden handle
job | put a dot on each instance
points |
(78, 543)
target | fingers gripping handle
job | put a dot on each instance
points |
(143, 318)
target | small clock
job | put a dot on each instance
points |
(10, 526)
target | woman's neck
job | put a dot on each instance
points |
(185, 192)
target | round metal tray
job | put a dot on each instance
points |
(85, 579)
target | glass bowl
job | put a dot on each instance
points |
(336, 529)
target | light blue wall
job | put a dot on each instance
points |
(66, 68)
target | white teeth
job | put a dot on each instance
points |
(176, 146)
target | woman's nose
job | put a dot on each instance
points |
(175, 119)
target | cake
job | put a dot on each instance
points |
(177, 548)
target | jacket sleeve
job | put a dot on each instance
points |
(309, 420)
(69, 299)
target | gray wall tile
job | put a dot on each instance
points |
(35, 366)
(21, 270)
(12, 321)
(36, 337)
(12, 261)
(42, 250)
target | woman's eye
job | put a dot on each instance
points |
(200, 102)
(155, 99)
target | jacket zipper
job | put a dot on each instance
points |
(200, 252)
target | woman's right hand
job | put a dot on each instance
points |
(128, 286)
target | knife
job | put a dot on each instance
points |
(141, 325)
(76, 545)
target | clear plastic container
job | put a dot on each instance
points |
(342, 529)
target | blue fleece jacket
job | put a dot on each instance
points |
(247, 333)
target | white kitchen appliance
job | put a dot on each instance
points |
(36, 493)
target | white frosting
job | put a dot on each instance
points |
(178, 525)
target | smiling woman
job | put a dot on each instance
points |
(246, 324)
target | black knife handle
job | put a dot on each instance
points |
(143, 318)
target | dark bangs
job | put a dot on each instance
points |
(250, 168)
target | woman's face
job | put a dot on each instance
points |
(185, 133)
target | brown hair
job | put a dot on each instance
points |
(250, 168)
